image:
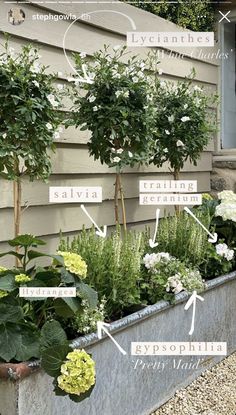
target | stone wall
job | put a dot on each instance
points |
(223, 176)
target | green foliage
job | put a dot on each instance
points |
(113, 266)
(195, 15)
(183, 122)
(183, 238)
(215, 265)
(115, 107)
(24, 320)
(28, 120)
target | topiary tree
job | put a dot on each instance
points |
(28, 120)
(116, 108)
(184, 123)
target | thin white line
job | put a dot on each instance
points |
(101, 2)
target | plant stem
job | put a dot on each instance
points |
(176, 177)
(122, 202)
(17, 191)
(116, 201)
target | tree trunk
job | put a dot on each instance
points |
(122, 202)
(176, 177)
(17, 211)
(116, 199)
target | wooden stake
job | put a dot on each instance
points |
(122, 202)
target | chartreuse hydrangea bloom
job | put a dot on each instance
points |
(2, 269)
(21, 278)
(3, 293)
(74, 263)
(77, 373)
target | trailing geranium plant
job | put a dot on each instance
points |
(30, 327)
(29, 122)
(115, 107)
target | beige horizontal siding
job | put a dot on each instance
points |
(71, 163)
(37, 193)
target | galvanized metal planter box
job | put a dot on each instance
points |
(133, 385)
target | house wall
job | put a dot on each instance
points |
(71, 162)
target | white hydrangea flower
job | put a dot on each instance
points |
(184, 119)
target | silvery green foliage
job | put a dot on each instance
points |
(28, 118)
(115, 107)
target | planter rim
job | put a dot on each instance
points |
(17, 371)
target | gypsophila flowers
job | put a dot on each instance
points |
(77, 373)
(74, 263)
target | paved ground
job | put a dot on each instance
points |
(213, 393)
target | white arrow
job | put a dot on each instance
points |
(192, 300)
(102, 326)
(213, 238)
(152, 242)
(99, 232)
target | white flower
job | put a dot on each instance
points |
(4, 135)
(35, 83)
(160, 71)
(49, 126)
(167, 132)
(197, 88)
(180, 143)
(95, 108)
(174, 284)
(35, 68)
(113, 150)
(82, 55)
(120, 151)
(171, 118)
(221, 249)
(229, 254)
(165, 150)
(116, 47)
(92, 98)
(185, 106)
(126, 94)
(150, 260)
(184, 119)
(51, 99)
(227, 196)
(135, 79)
(116, 159)
(56, 135)
(118, 93)
(130, 154)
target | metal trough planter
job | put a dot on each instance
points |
(133, 385)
